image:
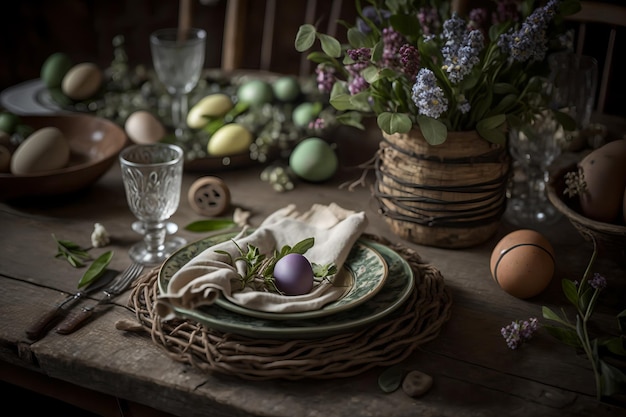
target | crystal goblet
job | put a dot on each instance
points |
(178, 58)
(152, 176)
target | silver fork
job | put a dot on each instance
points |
(120, 284)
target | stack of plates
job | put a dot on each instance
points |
(377, 280)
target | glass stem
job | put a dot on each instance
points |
(179, 113)
(155, 236)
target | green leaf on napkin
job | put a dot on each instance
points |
(209, 225)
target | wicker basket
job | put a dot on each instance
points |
(450, 195)
(611, 238)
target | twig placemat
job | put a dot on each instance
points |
(387, 342)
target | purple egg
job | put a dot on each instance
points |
(293, 274)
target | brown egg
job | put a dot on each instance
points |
(605, 176)
(522, 263)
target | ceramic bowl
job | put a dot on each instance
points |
(94, 145)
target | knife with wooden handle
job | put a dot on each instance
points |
(121, 283)
(40, 327)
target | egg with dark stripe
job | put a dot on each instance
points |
(522, 263)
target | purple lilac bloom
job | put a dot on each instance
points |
(478, 19)
(429, 20)
(519, 332)
(410, 60)
(506, 11)
(529, 43)
(461, 48)
(598, 281)
(392, 42)
(372, 13)
(325, 78)
(427, 95)
(361, 57)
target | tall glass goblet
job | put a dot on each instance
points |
(152, 176)
(178, 58)
(533, 146)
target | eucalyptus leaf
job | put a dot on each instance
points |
(570, 290)
(551, 315)
(358, 39)
(394, 122)
(434, 131)
(210, 225)
(567, 336)
(303, 246)
(305, 38)
(615, 345)
(330, 45)
(96, 269)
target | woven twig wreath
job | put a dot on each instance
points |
(387, 342)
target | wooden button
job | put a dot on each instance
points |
(209, 196)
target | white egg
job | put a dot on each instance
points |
(143, 128)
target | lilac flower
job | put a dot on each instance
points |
(478, 19)
(506, 11)
(461, 48)
(359, 54)
(410, 60)
(325, 77)
(427, 95)
(392, 42)
(429, 20)
(518, 332)
(462, 104)
(598, 281)
(529, 43)
(372, 14)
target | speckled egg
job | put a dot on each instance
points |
(82, 81)
(211, 106)
(313, 160)
(229, 139)
(142, 127)
(45, 149)
(522, 263)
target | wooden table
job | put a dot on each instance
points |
(475, 373)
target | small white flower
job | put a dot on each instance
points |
(99, 236)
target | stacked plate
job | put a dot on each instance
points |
(377, 281)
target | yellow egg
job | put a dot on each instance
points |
(143, 128)
(522, 263)
(82, 81)
(313, 160)
(211, 106)
(45, 149)
(229, 139)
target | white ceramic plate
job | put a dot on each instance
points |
(29, 98)
(395, 291)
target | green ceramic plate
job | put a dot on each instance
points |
(393, 294)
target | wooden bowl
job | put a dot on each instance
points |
(94, 145)
(609, 236)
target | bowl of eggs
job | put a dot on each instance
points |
(592, 195)
(61, 154)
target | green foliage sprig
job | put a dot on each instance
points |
(260, 267)
(600, 350)
(77, 256)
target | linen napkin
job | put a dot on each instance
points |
(209, 274)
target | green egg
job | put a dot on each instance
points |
(286, 88)
(305, 113)
(54, 69)
(313, 160)
(8, 122)
(255, 92)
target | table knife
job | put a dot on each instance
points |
(39, 328)
(74, 320)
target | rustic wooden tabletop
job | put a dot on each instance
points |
(474, 372)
